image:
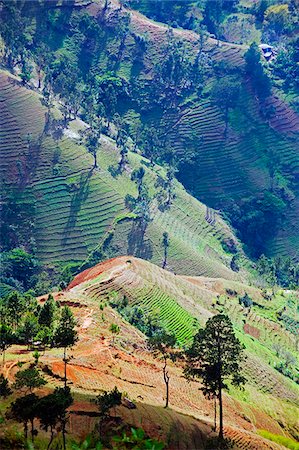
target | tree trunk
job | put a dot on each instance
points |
(166, 380)
(3, 357)
(51, 438)
(220, 411)
(215, 413)
(63, 434)
(165, 258)
(26, 430)
(64, 359)
(95, 160)
(32, 429)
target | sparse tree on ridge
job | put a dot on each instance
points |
(66, 335)
(162, 345)
(165, 242)
(216, 356)
(137, 176)
(114, 328)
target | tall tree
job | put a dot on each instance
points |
(114, 328)
(5, 390)
(162, 344)
(121, 142)
(14, 307)
(137, 176)
(52, 410)
(6, 339)
(66, 335)
(28, 329)
(224, 95)
(260, 81)
(165, 242)
(24, 409)
(47, 312)
(105, 402)
(216, 356)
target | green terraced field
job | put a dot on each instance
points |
(78, 210)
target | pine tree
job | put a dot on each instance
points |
(66, 335)
(215, 356)
(47, 312)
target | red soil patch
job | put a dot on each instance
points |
(95, 271)
(249, 329)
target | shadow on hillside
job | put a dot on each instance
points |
(138, 244)
(80, 193)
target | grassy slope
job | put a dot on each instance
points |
(77, 211)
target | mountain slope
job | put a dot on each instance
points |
(99, 360)
(101, 47)
(178, 300)
(78, 210)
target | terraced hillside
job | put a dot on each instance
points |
(99, 361)
(226, 169)
(78, 211)
(184, 303)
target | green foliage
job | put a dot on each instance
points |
(246, 301)
(5, 390)
(29, 379)
(149, 324)
(87, 444)
(6, 338)
(47, 313)
(281, 440)
(66, 335)
(20, 265)
(278, 18)
(254, 68)
(279, 270)
(17, 222)
(225, 94)
(28, 329)
(137, 439)
(257, 220)
(216, 356)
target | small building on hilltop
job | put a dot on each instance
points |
(267, 51)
